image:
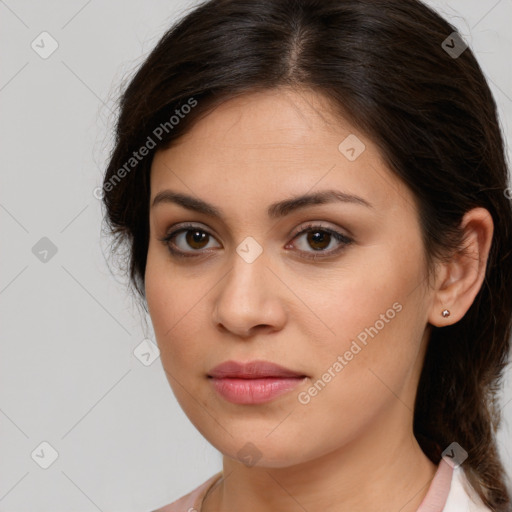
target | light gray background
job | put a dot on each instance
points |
(68, 375)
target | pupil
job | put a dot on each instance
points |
(319, 237)
(195, 237)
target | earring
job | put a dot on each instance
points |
(445, 313)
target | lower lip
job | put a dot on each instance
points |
(254, 391)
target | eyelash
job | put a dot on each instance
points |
(344, 240)
(339, 237)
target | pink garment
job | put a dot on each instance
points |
(448, 492)
(435, 499)
(191, 502)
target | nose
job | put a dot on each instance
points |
(248, 300)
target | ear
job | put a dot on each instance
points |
(459, 280)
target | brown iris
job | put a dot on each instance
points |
(196, 237)
(318, 237)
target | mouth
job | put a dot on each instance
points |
(254, 382)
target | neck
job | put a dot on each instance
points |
(381, 470)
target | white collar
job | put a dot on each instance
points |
(462, 497)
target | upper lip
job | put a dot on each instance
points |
(251, 370)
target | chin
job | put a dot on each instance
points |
(263, 453)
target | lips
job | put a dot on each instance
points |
(252, 370)
(255, 382)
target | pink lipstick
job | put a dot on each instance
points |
(254, 382)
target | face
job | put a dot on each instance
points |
(331, 289)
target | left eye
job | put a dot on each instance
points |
(318, 238)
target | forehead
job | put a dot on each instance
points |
(267, 145)
(280, 119)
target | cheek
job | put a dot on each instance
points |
(373, 312)
(173, 315)
(166, 303)
(177, 307)
(159, 300)
(361, 372)
(365, 295)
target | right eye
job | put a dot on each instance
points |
(187, 235)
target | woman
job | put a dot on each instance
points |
(313, 195)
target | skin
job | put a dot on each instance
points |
(351, 448)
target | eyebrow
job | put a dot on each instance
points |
(274, 211)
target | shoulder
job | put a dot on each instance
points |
(191, 502)
(462, 497)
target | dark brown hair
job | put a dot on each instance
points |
(382, 65)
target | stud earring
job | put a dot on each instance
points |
(445, 313)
